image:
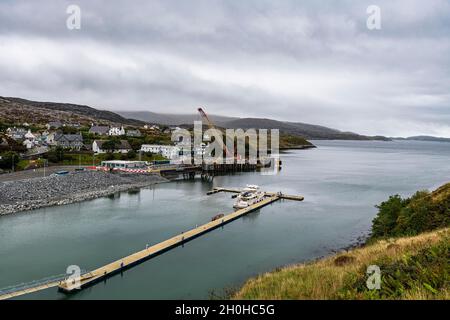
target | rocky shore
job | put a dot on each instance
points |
(30, 194)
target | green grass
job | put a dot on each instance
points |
(292, 141)
(411, 268)
(424, 275)
(21, 165)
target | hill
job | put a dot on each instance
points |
(412, 267)
(308, 131)
(425, 138)
(16, 110)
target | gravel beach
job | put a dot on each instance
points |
(29, 194)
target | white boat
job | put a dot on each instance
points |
(251, 188)
(251, 194)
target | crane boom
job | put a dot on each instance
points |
(212, 126)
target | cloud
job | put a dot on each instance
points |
(310, 62)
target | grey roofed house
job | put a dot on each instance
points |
(73, 124)
(16, 133)
(133, 133)
(73, 141)
(54, 125)
(122, 147)
(101, 130)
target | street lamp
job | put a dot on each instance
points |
(45, 164)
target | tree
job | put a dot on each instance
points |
(135, 143)
(69, 130)
(110, 144)
(109, 156)
(9, 160)
(386, 220)
(56, 155)
(131, 154)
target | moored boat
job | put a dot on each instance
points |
(251, 194)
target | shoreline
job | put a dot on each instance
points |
(102, 185)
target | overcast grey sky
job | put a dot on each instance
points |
(307, 61)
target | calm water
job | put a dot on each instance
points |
(341, 182)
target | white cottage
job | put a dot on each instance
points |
(114, 131)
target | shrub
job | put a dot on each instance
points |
(55, 155)
(109, 156)
(131, 154)
(426, 272)
(9, 159)
(424, 211)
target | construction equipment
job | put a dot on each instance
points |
(212, 126)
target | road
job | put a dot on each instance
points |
(28, 174)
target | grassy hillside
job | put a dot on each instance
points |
(16, 110)
(413, 267)
(288, 141)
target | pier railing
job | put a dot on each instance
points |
(36, 283)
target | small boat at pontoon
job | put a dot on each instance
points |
(251, 194)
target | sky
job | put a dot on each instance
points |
(304, 61)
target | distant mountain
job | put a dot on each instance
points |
(308, 131)
(425, 138)
(171, 119)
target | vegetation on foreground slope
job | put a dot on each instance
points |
(413, 267)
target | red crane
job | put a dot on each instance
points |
(212, 126)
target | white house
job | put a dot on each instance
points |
(169, 152)
(121, 164)
(114, 131)
(50, 140)
(30, 136)
(28, 144)
(16, 133)
(122, 147)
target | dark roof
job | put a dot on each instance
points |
(123, 145)
(18, 130)
(55, 124)
(69, 137)
(132, 132)
(99, 129)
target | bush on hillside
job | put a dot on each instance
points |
(424, 211)
(425, 274)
